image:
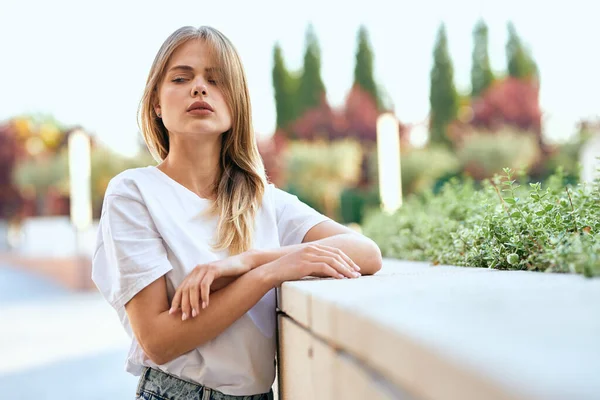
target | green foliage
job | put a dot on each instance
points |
(38, 175)
(481, 72)
(483, 154)
(311, 88)
(319, 171)
(443, 97)
(41, 174)
(284, 89)
(520, 62)
(421, 168)
(363, 70)
(502, 225)
(355, 202)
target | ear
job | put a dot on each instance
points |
(158, 110)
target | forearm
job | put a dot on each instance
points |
(173, 337)
(362, 250)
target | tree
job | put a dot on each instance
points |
(10, 199)
(363, 70)
(520, 62)
(511, 101)
(481, 72)
(443, 97)
(311, 90)
(283, 86)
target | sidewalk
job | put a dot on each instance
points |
(67, 271)
(58, 344)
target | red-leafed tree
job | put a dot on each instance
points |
(356, 119)
(513, 102)
(271, 150)
(10, 199)
(316, 122)
(361, 114)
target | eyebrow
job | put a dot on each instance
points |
(188, 68)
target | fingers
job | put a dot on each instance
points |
(327, 270)
(191, 292)
(194, 300)
(205, 288)
(185, 304)
(176, 301)
(348, 260)
(341, 258)
(337, 263)
(343, 255)
(195, 292)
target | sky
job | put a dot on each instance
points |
(86, 63)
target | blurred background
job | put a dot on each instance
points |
(473, 85)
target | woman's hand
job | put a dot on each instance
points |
(311, 260)
(198, 283)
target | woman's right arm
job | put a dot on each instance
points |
(164, 336)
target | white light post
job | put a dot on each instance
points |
(388, 155)
(80, 192)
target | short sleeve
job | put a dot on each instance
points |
(294, 218)
(130, 253)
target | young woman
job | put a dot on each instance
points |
(189, 252)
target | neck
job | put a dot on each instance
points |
(195, 164)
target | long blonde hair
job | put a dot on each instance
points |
(241, 185)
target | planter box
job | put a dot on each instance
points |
(414, 331)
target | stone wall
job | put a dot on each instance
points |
(414, 331)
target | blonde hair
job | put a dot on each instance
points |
(241, 185)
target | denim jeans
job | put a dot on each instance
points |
(158, 385)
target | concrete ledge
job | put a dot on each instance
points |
(420, 332)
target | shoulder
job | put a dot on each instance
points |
(284, 201)
(276, 196)
(128, 183)
(275, 193)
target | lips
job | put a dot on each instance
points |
(200, 105)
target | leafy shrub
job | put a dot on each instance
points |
(354, 203)
(317, 172)
(501, 225)
(40, 175)
(421, 168)
(484, 154)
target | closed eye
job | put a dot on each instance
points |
(178, 80)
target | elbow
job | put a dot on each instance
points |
(375, 259)
(378, 259)
(156, 348)
(157, 357)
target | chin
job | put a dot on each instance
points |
(203, 130)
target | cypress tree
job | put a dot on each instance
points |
(310, 88)
(481, 72)
(363, 70)
(283, 89)
(443, 97)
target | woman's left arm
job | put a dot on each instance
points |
(212, 277)
(362, 250)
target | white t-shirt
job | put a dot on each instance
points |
(150, 227)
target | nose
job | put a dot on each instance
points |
(200, 87)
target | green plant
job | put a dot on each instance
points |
(317, 172)
(503, 225)
(483, 154)
(354, 203)
(421, 168)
